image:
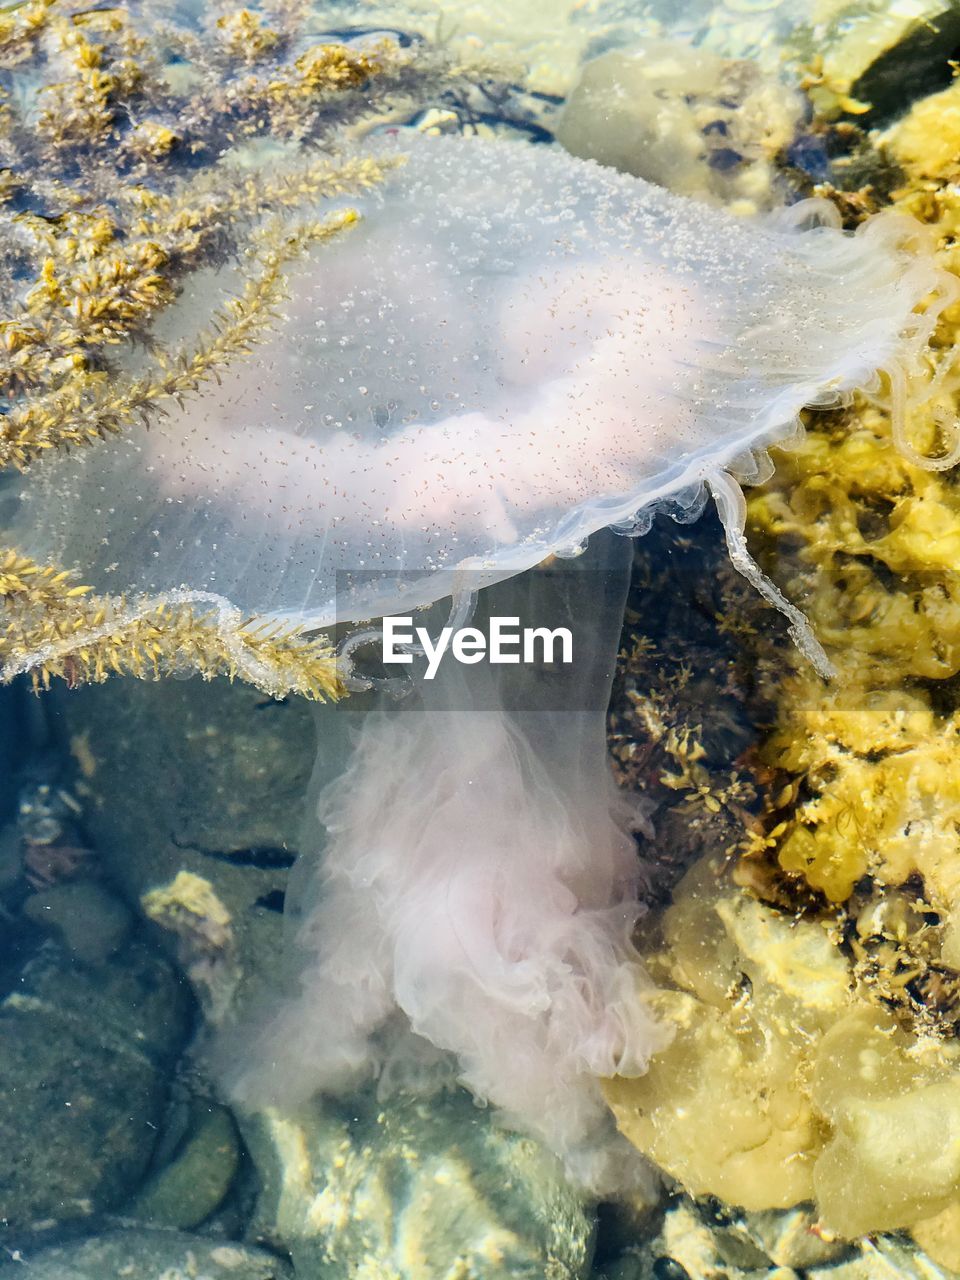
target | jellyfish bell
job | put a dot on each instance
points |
(512, 349)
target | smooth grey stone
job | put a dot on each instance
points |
(211, 778)
(149, 1255)
(84, 1062)
(414, 1189)
(189, 1187)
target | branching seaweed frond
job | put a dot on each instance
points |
(89, 407)
(139, 145)
(97, 284)
(55, 627)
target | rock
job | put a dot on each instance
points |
(685, 119)
(874, 56)
(700, 1239)
(939, 1237)
(209, 779)
(149, 1255)
(885, 1258)
(790, 1238)
(547, 43)
(724, 1108)
(925, 141)
(188, 1189)
(690, 1247)
(11, 747)
(629, 1267)
(189, 909)
(624, 1221)
(544, 43)
(11, 856)
(84, 1056)
(420, 1190)
(784, 1083)
(90, 921)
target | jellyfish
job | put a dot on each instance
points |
(513, 352)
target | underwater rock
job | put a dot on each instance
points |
(704, 1239)
(879, 756)
(626, 1267)
(549, 42)
(149, 1255)
(878, 543)
(417, 1189)
(11, 746)
(84, 1056)
(685, 119)
(883, 1259)
(689, 1245)
(926, 142)
(91, 922)
(690, 697)
(189, 909)
(868, 836)
(894, 1107)
(190, 1186)
(870, 56)
(11, 857)
(204, 778)
(788, 1238)
(721, 1108)
(508, 112)
(544, 44)
(939, 1236)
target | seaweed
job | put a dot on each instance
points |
(128, 162)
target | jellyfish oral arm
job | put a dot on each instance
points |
(479, 878)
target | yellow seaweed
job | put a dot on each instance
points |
(815, 990)
(782, 1083)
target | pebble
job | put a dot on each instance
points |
(148, 1255)
(84, 1062)
(192, 1186)
(418, 1190)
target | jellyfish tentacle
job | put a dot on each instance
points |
(732, 509)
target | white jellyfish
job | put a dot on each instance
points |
(513, 351)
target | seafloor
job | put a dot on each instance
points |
(800, 839)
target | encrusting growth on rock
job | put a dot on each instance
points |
(812, 967)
